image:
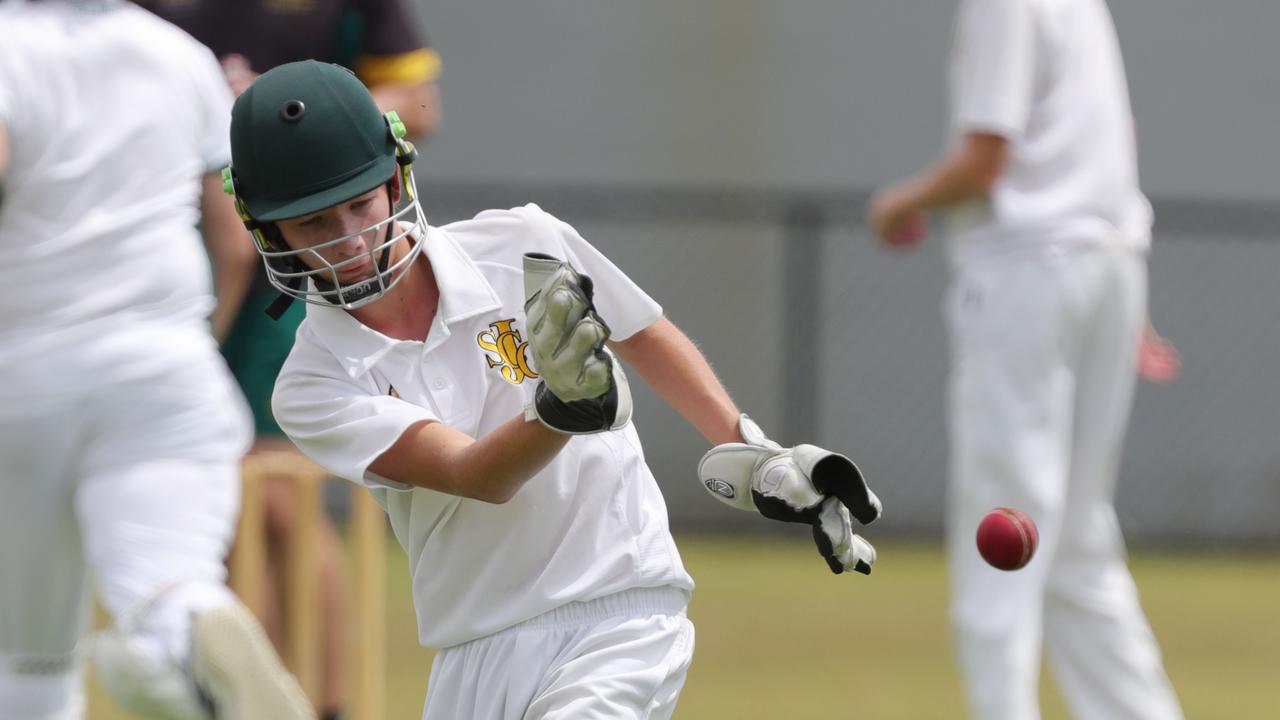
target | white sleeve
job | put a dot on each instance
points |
(340, 425)
(993, 66)
(620, 302)
(215, 111)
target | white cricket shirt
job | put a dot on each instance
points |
(591, 523)
(112, 116)
(1048, 76)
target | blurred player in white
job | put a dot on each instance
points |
(469, 385)
(1047, 311)
(120, 429)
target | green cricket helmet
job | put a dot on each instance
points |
(306, 136)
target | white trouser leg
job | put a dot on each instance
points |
(1010, 419)
(1042, 380)
(44, 601)
(136, 481)
(24, 696)
(156, 534)
(159, 494)
(621, 657)
(1099, 644)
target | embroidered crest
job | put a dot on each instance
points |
(506, 349)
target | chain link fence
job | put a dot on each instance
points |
(825, 338)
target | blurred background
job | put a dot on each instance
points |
(720, 152)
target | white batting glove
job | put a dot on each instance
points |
(804, 484)
(582, 387)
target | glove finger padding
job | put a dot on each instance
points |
(555, 311)
(596, 373)
(833, 474)
(566, 336)
(584, 350)
(840, 547)
(582, 387)
(610, 411)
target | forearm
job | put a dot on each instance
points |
(231, 254)
(417, 105)
(492, 468)
(950, 182)
(967, 172)
(497, 465)
(674, 367)
(230, 286)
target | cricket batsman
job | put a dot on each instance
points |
(471, 375)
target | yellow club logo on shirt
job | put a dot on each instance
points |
(505, 348)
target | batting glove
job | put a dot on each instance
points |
(582, 388)
(803, 484)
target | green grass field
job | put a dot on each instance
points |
(778, 636)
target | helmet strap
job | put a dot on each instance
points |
(281, 304)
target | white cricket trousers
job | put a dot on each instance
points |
(621, 657)
(133, 486)
(1044, 347)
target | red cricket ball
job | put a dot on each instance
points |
(1007, 538)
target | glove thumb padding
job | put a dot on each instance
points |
(726, 471)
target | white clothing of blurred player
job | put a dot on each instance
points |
(461, 372)
(120, 430)
(1047, 310)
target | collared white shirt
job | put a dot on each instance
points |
(1047, 75)
(591, 523)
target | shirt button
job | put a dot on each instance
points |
(440, 384)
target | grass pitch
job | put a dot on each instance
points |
(779, 636)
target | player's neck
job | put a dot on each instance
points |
(407, 310)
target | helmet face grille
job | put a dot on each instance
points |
(319, 281)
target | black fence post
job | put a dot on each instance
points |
(803, 228)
